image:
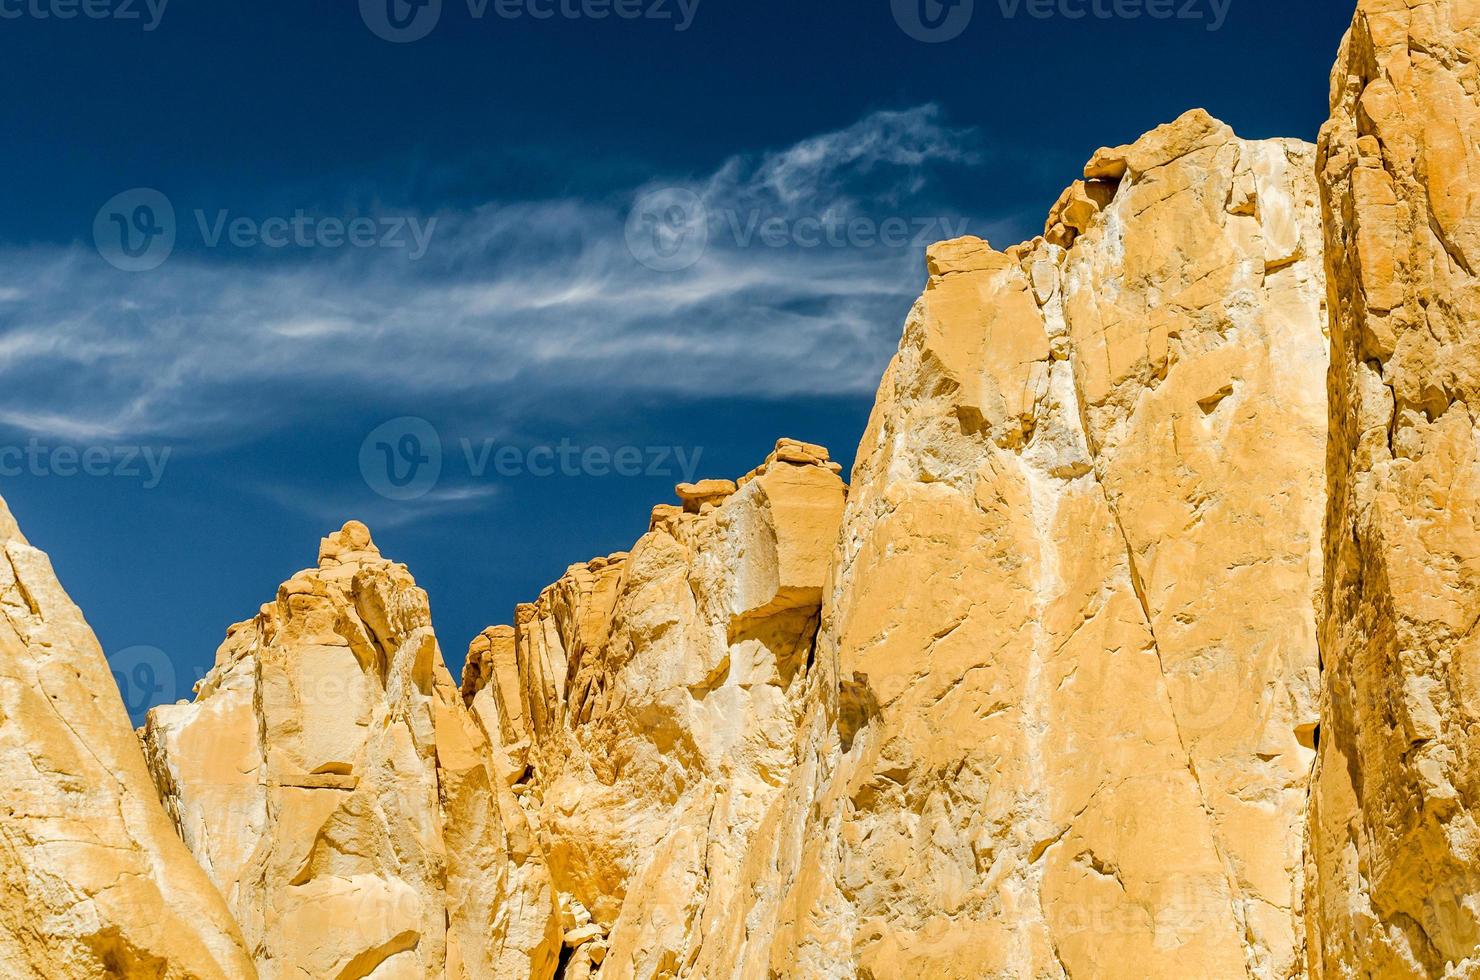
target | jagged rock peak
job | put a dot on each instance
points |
(331, 781)
(647, 707)
(350, 545)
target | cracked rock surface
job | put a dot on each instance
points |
(93, 880)
(1072, 615)
(1395, 848)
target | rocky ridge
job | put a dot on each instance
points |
(1139, 646)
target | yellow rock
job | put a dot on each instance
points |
(661, 699)
(800, 453)
(1394, 857)
(93, 880)
(332, 782)
(1070, 628)
(696, 495)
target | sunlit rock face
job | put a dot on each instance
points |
(330, 780)
(1037, 696)
(1072, 616)
(1394, 847)
(648, 706)
(583, 803)
(93, 880)
(1142, 644)
(1043, 697)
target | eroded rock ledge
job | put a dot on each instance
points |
(648, 705)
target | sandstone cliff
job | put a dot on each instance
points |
(650, 702)
(1060, 714)
(1395, 849)
(1072, 617)
(93, 882)
(1142, 645)
(331, 782)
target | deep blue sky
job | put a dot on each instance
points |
(527, 321)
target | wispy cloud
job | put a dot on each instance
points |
(540, 293)
(333, 509)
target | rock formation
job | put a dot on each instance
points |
(1072, 616)
(1395, 848)
(333, 785)
(1143, 644)
(93, 881)
(1060, 714)
(649, 702)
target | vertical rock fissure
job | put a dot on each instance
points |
(1044, 497)
(1214, 833)
(1138, 586)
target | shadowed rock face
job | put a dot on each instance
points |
(93, 880)
(1395, 850)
